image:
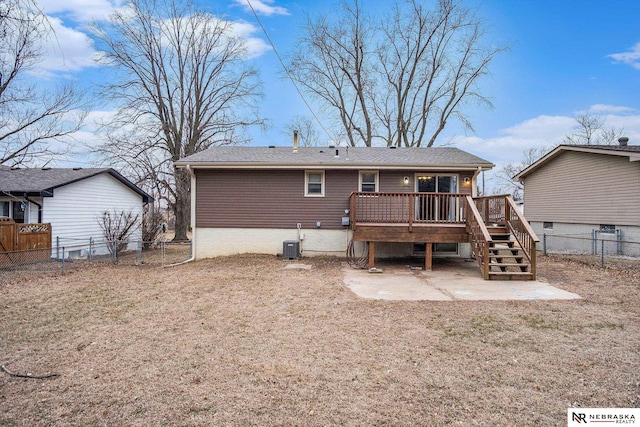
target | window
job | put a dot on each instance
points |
(19, 214)
(437, 183)
(314, 184)
(607, 228)
(369, 181)
(547, 225)
(4, 208)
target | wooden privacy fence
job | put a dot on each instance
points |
(23, 243)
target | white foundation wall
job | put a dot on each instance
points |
(213, 242)
(578, 238)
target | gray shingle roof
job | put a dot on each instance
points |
(356, 157)
(43, 181)
(631, 151)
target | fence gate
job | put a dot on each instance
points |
(7, 234)
(20, 243)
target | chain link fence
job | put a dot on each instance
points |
(600, 248)
(69, 254)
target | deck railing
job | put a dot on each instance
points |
(503, 210)
(408, 208)
(479, 237)
(522, 231)
(478, 214)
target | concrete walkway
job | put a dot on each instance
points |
(451, 279)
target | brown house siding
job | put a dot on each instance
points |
(270, 199)
(275, 198)
(584, 188)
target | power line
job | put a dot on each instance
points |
(286, 70)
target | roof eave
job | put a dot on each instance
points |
(633, 157)
(329, 165)
(29, 193)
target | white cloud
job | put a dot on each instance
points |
(255, 45)
(604, 108)
(81, 10)
(540, 131)
(66, 50)
(631, 57)
(262, 7)
(543, 132)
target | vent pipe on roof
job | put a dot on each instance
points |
(623, 141)
(337, 153)
(295, 141)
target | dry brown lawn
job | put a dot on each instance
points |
(241, 341)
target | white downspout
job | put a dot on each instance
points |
(474, 182)
(193, 219)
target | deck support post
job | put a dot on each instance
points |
(371, 255)
(428, 257)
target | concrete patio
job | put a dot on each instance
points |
(450, 279)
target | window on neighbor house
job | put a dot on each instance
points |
(314, 184)
(4, 208)
(607, 228)
(368, 181)
(547, 225)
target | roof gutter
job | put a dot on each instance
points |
(351, 166)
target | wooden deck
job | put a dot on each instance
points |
(501, 239)
(418, 233)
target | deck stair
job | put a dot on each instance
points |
(507, 260)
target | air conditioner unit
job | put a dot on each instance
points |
(290, 249)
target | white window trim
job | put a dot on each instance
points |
(306, 183)
(377, 174)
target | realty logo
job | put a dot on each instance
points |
(581, 416)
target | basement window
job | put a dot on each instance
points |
(607, 228)
(547, 225)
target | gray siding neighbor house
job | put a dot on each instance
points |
(578, 192)
(389, 202)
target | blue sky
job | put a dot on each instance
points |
(565, 57)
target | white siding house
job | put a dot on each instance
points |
(73, 201)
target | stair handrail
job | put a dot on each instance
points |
(524, 235)
(479, 236)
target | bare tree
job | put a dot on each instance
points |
(308, 135)
(184, 85)
(152, 225)
(332, 62)
(32, 120)
(506, 183)
(144, 161)
(400, 81)
(117, 227)
(590, 130)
